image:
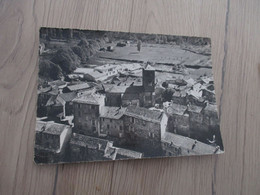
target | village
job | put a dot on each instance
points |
(126, 109)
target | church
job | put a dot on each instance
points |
(142, 96)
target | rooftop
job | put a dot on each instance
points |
(111, 153)
(51, 101)
(44, 89)
(129, 153)
(67, 97)
(57, 83)
(179, 94)
(53, 92)
(94, 99)
(50, 127)
(117, 89)
(176, 109)
(206, 79)
(149, 67)
(194, 146)
(144, 114)
(211, 108)
(112, 112)
(78, 86)
(131, 66)
(106, 67)
(90, 142)
(94, 73)
(194, 108)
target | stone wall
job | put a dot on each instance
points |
(86, 118)
(113, 127)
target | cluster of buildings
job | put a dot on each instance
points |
(192, 110)
(105, 124)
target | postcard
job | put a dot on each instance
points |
(106, 95)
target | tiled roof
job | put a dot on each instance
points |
(93, 99)
(78, 86)
(211, 108)
(179, 94)
(194, 108)
(144, 114)
(44, 90)
(117, 89)
(129, 153)
(57, 83)
(149, 67)
(67, 97)
(112, 112)
(53, 92)
(176, 109)
(90, 142)
(188, 143)
(51, 101)
(50, 127)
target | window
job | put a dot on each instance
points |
(110, 120)
(103, 119)
(121, 128)
(93, 122)
(92, 107)
(78, 105)
(107, 126)
(79, 113)
(133, 120)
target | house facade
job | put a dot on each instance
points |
(87, 109)
(50, 141)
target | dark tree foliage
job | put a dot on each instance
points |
(80, 52)
(165, 84)
(49, 70)
(167, 95)
(66, 59)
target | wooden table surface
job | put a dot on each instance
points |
(233, 26)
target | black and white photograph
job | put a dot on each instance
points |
(106, 95)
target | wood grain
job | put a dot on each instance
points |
(233, 26)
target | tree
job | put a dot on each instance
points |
(167, 95)
(165, 84)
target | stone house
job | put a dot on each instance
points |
(65, 99)
(50, 141)
(210, 116)
(179, 97)
(178, 145)
(86, 148)
(87, 109)
(79, 87)
(197, 127)
(179, 121)
(143, 128)
(111, 121)
(44, 95)
(209, 95)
